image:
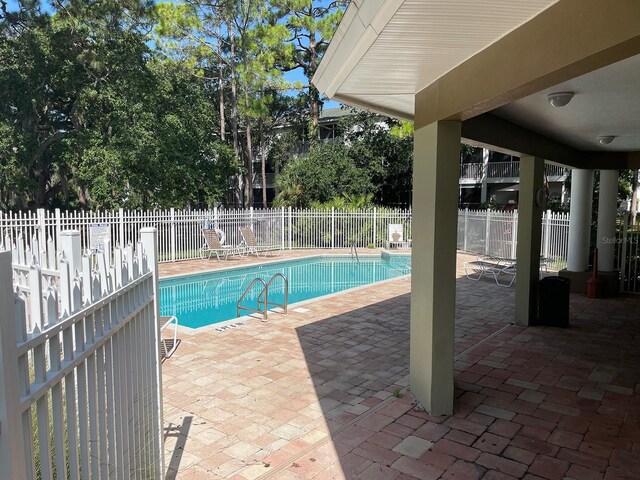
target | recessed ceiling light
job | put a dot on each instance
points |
(560, 99)
(606, 139)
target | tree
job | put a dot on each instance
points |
(160, 150)
(238, 41)
(88, 112)
(384, 148)
(327, 172)
(312, 24)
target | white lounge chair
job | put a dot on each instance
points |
(251, 243)
(212, 246)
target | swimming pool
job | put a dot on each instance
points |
(208, 298)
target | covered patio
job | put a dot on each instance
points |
(545, 80)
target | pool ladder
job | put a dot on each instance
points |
(263, 297)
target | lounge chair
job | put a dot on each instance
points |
(212, 246)
(251, 243)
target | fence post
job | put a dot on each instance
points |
(289, 228)
(11, 435)
(282, 228)
(173, 234)
(333, 227)
(622, 261)
(514, 234)
(42, 236)
(487, 231)
(547, 233)
(375, 222)
(466, 228)
(121, 228)
(149, 240)
(71, 247)
(58, 227)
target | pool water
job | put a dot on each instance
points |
(209, 298)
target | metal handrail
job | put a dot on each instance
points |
(246, 292)
(354, 249)
(263, 296)
(266, 292)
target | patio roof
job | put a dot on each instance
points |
(384, 52)
(495, 62)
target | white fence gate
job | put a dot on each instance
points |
(80, 384)
(495, 233)
(628, 255)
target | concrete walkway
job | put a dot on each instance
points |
(322, 393)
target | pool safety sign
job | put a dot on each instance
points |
(98, 234)
(395, 232)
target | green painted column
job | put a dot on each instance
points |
(529, 238)
(436, 167)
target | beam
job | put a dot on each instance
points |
(569, 39)
(500, 135)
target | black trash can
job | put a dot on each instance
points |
(553, 301)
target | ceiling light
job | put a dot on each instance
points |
(559, 99)
(606, 139)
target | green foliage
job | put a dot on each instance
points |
(346, 202)
(88, 116)
(326, 173)
(384, 148)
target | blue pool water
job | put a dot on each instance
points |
(205, 299)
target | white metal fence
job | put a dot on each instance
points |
(495, 233)
(80, 385)
(179, 236)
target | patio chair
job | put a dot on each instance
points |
(251, 243)
(168, 345)
(212, 246)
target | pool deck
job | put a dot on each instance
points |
(321, 393)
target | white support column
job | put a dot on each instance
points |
(607, 210)
(580, 219)
(433, 279)
(485, 169)
(529, 237)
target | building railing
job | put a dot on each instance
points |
(474, 171)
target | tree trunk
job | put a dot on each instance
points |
(221, 85)
(635, 190)
(234, 109)
(314, 95)
(248, 184)
(263, 164)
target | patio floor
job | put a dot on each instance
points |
(321, 393)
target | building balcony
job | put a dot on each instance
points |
(505, 172)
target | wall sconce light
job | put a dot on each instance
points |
(560, 99)
(606, 139)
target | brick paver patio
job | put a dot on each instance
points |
(321, 393)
